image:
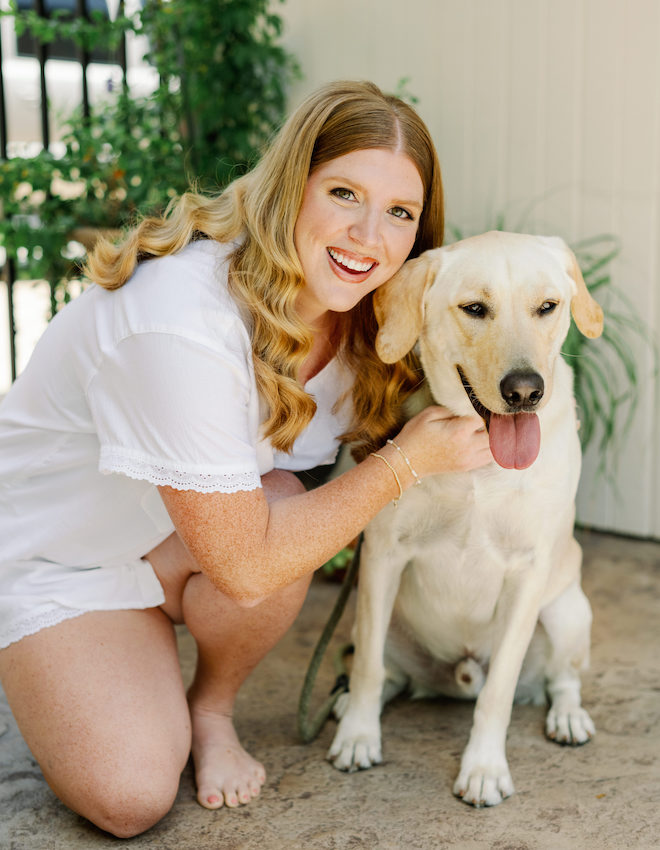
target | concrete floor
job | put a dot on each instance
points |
(601, 796)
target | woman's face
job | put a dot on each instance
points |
(357, 224)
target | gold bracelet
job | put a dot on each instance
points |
(395, 502)
(408, 464)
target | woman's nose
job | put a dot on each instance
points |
(365, 229)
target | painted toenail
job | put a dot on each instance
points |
(213, 799)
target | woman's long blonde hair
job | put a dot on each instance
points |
(266, 276)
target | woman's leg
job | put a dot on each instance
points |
(100, 702)
(231, 641)
(101, 705)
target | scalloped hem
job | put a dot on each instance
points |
(32, 625)
(36, 595)
(112, 461)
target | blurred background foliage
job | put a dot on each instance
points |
(222, 82)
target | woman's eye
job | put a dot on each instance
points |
(400, 212)
(475, 309)
(344, 194)
(547, 307)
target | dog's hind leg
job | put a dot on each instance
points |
(567, 621)
(394, 685)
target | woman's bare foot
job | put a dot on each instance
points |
(225, 773)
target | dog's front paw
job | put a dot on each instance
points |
(570, 726)
(356, 746)
(483, 784)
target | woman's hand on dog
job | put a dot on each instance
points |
(436, 441)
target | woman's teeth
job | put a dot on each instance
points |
(352, 265)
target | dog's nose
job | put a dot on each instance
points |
(522, 389)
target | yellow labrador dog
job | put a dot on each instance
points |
(471, 586)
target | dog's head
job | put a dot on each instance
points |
(491, 313)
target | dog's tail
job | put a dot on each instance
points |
(469, 676)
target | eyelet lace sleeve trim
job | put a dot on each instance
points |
(163, 476)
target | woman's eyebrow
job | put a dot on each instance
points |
(355, 184)
(417, 205)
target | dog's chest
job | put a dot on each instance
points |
(460, 536)
(456, 538)
(457, 518)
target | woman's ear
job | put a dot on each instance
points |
(399, 306)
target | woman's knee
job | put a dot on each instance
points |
(127, 805)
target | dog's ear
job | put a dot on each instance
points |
(586, 312)
(399, 306)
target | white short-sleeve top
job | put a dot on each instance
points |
(152, 384)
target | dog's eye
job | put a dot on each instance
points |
(547, 307)
(476, 309)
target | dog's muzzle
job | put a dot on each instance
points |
(515, 437)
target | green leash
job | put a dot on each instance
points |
(309, 729)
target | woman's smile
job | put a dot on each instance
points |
(350, 263)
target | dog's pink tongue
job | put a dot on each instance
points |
(515, 439)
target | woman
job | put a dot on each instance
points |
(148, 453)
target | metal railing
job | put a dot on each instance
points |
(41, 55)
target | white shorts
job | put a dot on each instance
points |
(37, 594)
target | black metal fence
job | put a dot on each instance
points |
(41, 53)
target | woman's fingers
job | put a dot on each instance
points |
(439, 441)
(436, 412)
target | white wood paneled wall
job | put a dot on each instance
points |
(547, 111)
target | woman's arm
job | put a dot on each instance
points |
(250, 548)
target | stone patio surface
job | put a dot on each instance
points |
(603, 796)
